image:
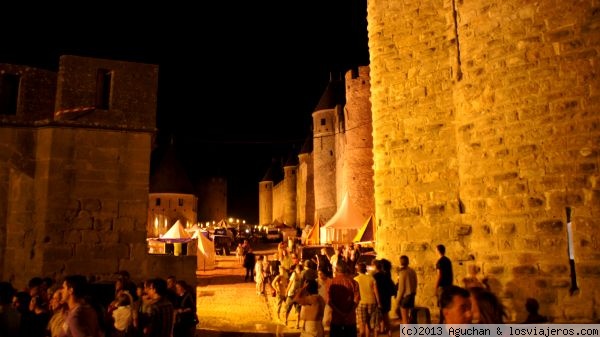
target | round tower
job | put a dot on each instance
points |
(305, 197)
(265, 199)
(358, 168)
(289, 191)
(324, 154)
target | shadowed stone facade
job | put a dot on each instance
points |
(485, 128)
(74, 172)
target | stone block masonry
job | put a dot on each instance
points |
(485, 116)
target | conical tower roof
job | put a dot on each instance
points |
(333, 95)
(292, 160)
(307, 147)
(273, 173)
(170, 176)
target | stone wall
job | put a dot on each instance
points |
(305, 198)
(133, 91)
(289, 195)
(324, 162)
(358, 156)
(37, 88)
(265, 202)
(74, 188)
(485, 128)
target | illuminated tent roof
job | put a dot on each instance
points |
(205, 254)
(314, 237)
(366, 232)
(176, 234)
(347, 216)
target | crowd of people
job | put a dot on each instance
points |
(337, 293)
(325, 292)
(74, 307)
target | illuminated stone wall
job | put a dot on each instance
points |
(265, 202)
(324, 163)
(279, 201)
(74, 187)
(289, 194)
(164, 209)
(482, 139)
(358, 154)
(305, 198)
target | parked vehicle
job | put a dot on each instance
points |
(223, 240)
(273, 234)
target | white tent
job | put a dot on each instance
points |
(344, 224)
(206, 253)
(176, 234)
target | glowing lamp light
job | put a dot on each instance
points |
(230, 219)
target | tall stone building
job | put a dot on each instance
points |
(74, 170)
(335, 161)
(485, 130)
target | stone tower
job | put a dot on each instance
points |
(290, 169)
(485, 129)
(325, 119)
(74, 176)
(265, 199)
(358, 154)
(305, 197)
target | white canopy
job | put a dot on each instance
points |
(344, 224)
(176, 233)
(206, 253)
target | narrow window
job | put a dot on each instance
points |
(103, 84)
(9, 92)
(180, 202)
(157, 201)
(323, 121)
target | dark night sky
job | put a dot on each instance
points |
(238, 81)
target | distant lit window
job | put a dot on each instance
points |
(323, 121)
(180, 202)
(9, 93)
(103, 84)
(157, 201)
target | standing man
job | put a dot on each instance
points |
(82, 319)
(407, 289)
(249, 264)
(444, 276)
(343, 297)
(366, 314)
(160, 320)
